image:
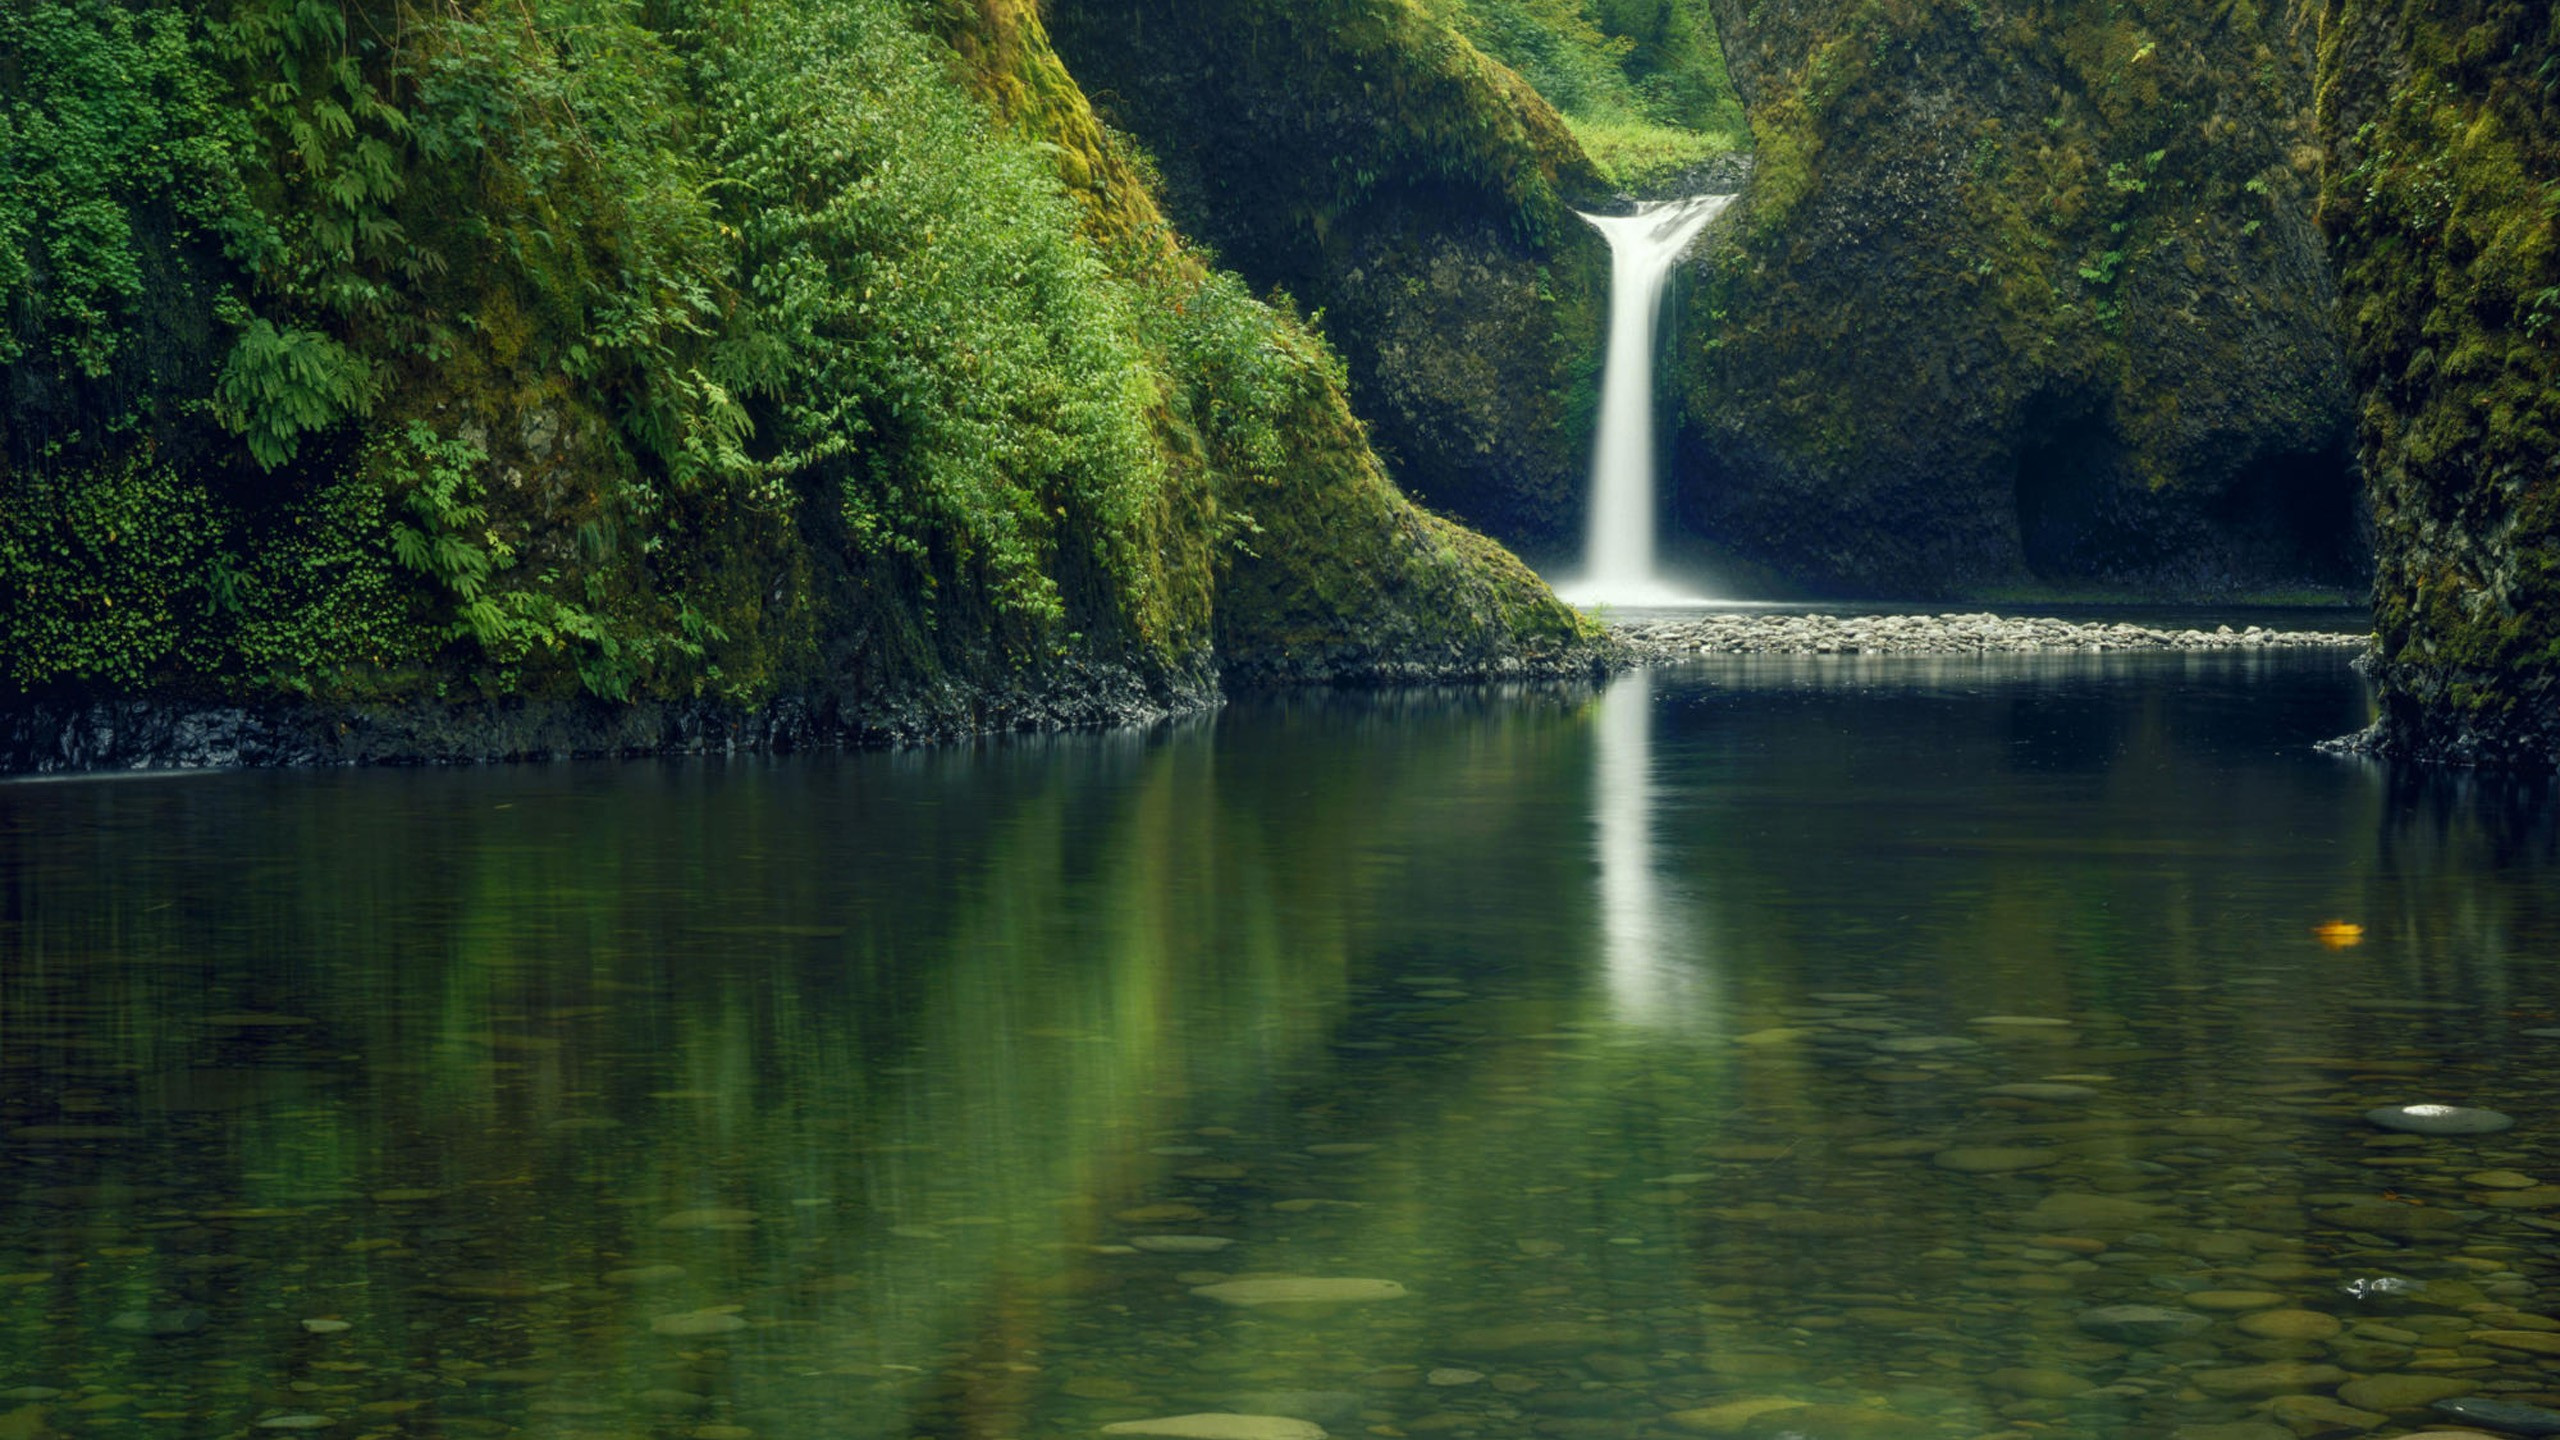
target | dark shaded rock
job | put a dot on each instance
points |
(1379, 168)
(2020, 296)
(2443, 132)
(2511, 1416)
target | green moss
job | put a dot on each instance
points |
(2441, 197)
(1995, 247)
(503, 394)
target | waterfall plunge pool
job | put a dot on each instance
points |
(1850, 1039)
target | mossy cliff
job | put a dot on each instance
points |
(1365, 157)
(803, 373)
(2024, 295)
(2443, 194)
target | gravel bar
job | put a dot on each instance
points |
(1732, 634)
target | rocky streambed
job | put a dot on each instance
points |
(1976, 634)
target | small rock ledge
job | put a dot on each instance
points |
(1729, 634)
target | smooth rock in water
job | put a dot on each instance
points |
(2540, 1342)
(2539, 1197)
(1221, 1426)
(2036, 1384)
(2316, 1417)
(1835, 1422)
(1926, 1044)
(327, 1327)
(2232, 1430)
(1180, 1244)
(2514, 1417)
(2072, 1210)
(1553, 1338)
(2234, 1299)
(2277, 1378)
(1324, 1407)
(2017, 1022)
(1729, 1417)
(708, 1220)
(720, 1320)
(2439, 1120)
(1447, 1376)
(2141, 1324)
(2396, 1393)
(644, 1275)
(2500, 1180)
(296, 1422)
(1300, 1290)
(2385, 1218)
(1781, 1035)
(2042, 1090)
(2291, 1325)
(1993, 1159)
(185, 1320)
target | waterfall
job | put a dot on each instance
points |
(1618, 552)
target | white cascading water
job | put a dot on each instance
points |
(1618, 552)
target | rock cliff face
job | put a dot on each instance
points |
(2025, 295)
(1363, 156)
(2443, 194)
(666, 376)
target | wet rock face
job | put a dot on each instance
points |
(2020, 295)
(1382, 172)
(2444, 129)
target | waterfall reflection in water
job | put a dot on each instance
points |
(1648, 930)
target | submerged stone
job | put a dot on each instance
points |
(2512, 1416)
(2141, 1324)
(2290, 1325)
(2036, 1384)
(1730, 1417)
(2312, 1417)
(721, 1320)
(2439, 1119)
(1221, 1426)
(2070, 1210)
(2393, 1393)
(2276, 1378)
(1300, 1290)
(2042, 1090)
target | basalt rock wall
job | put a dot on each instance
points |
(2025, 296)
(2443, 194)
(1364, 157)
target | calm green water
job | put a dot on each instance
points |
(1660, 1045)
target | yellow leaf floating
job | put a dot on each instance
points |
(2339, 935)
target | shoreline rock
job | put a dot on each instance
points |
(1657, 641)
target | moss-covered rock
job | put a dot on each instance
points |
(824, 371)
(2024, 295)
(2443, 194)
(1365, 157)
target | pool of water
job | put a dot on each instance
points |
(1819, 1047)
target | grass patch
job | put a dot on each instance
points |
(1639, 153)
